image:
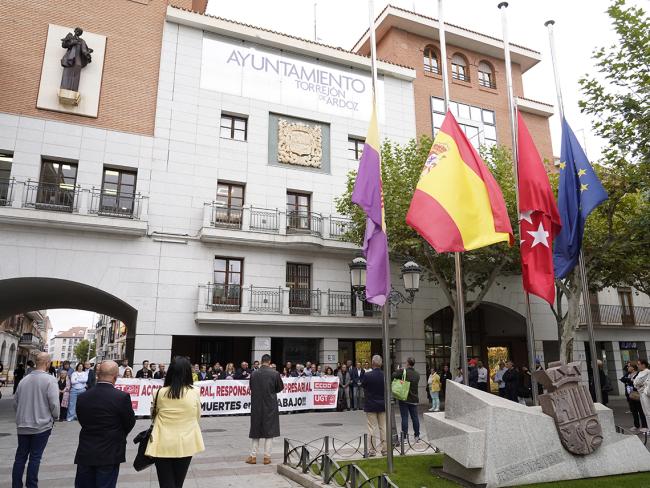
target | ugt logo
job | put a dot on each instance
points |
(436, 155)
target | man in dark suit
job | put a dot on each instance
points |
(374, 406)
(106, 418)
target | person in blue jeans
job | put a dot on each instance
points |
(37, 408)
(78, 381)
(409, 407)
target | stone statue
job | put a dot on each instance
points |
(569, 403)
(74, 60)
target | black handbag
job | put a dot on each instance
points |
(141, 460)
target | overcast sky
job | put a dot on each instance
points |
(581, 26)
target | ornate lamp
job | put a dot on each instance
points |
(358, 274)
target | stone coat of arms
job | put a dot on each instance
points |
(299, 144)
(569, 403)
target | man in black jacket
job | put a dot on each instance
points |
(373, 385)
(409, 407)
(106, 418)
(511, 379)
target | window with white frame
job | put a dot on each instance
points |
(478, 124)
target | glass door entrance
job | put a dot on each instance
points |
(496, 354)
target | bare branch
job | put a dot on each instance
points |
(486, 287)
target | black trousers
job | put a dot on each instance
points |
(172, 471)
(97, 476)
(637, 414)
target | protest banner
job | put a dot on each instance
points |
(230, 397)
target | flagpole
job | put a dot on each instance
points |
(385, 309)
(581, 262)
(530, 333)
(458, 263)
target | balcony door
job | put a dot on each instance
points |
(118, 192)
(226, 292)
(299, 284)
(57, 185)
(627, 308)
(298, 211)
(5, 173)
(229, 204)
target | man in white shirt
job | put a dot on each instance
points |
(498, 378)
(482, 376)
(123, 366)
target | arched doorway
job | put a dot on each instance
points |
(10, 363)
(19, 295)
(3, 350)
(492, 332)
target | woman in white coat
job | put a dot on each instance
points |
(643, 387)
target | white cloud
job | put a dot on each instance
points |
(63, 319)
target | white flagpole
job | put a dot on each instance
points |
(385, 315)
(458, 264)
(581, 261)
(512, 110)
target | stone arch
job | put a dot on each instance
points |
(3, 351)
(19, 295)
(10, 363)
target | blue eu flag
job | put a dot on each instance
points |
(579, 192)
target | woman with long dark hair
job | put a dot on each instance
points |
(176, 435)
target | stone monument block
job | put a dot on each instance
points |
(494, 442)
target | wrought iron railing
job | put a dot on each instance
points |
(230, 217)
(112, 203)
(264, 219)
(487, 83)
(61, 197)
(224, 297)
(29, 340)
(307, 222)
(6, 191)
(303, 301)
(339, 227)
(339, 302)
(324, 459)
(616, 315)
(266, 300)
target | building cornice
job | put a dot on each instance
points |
(284, 42)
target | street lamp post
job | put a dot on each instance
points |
(410, 273)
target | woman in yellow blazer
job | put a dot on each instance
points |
(176, 435)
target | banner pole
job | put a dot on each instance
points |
(385, 309)
(458, 264)
(581, 261)
(512, 112)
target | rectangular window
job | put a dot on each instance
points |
(229, 205)
(459, 72)
(355, 147)
(478, 124)
(117, 197)
(57, 185)
(234, 127)
(627, 307)
(299, 284)
(485, 79)
(6, 159)
(298, 211)
(226, 293)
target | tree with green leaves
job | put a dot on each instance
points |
(84, 350)
(616, 246)
(401, 169)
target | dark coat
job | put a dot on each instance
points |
(91, 379)
(373, 385)
(106, 418)
(473, 376)
(511, 379)
(414, 378)
(265, 384)
(242, 374)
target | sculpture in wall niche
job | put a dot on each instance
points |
(569, 403)
(77, 56)
(300, 144)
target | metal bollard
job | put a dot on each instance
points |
(401, 443)
(365, 445)
(327, 445)
(286, 451)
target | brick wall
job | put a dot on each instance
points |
(405, 48)
(130, 79)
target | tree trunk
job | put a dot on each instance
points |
(569, 323)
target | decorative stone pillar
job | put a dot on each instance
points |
(328, 352)
(261, 346)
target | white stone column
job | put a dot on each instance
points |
(324, 303)
(615, 369)
(328, 353)
(17, 195)
(144, 209)
(285, 301)
(207, 214)
(246, 218)
(261, 346)
(359, 308)
(84, 202)
(282, 222)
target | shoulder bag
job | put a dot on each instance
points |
(400, 388)
(141, 460)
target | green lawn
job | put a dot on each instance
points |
(414, 472)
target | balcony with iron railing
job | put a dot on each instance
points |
(71, 206)
(270, 227)
(235, 303)
(616, 316)
(30, 341)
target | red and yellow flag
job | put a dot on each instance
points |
(457, 205)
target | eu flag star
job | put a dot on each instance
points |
(584, 187)
(562, 165)
(582, 172)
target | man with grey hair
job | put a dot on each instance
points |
(372, 383)
(37, 407)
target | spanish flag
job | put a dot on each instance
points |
(457, 205)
